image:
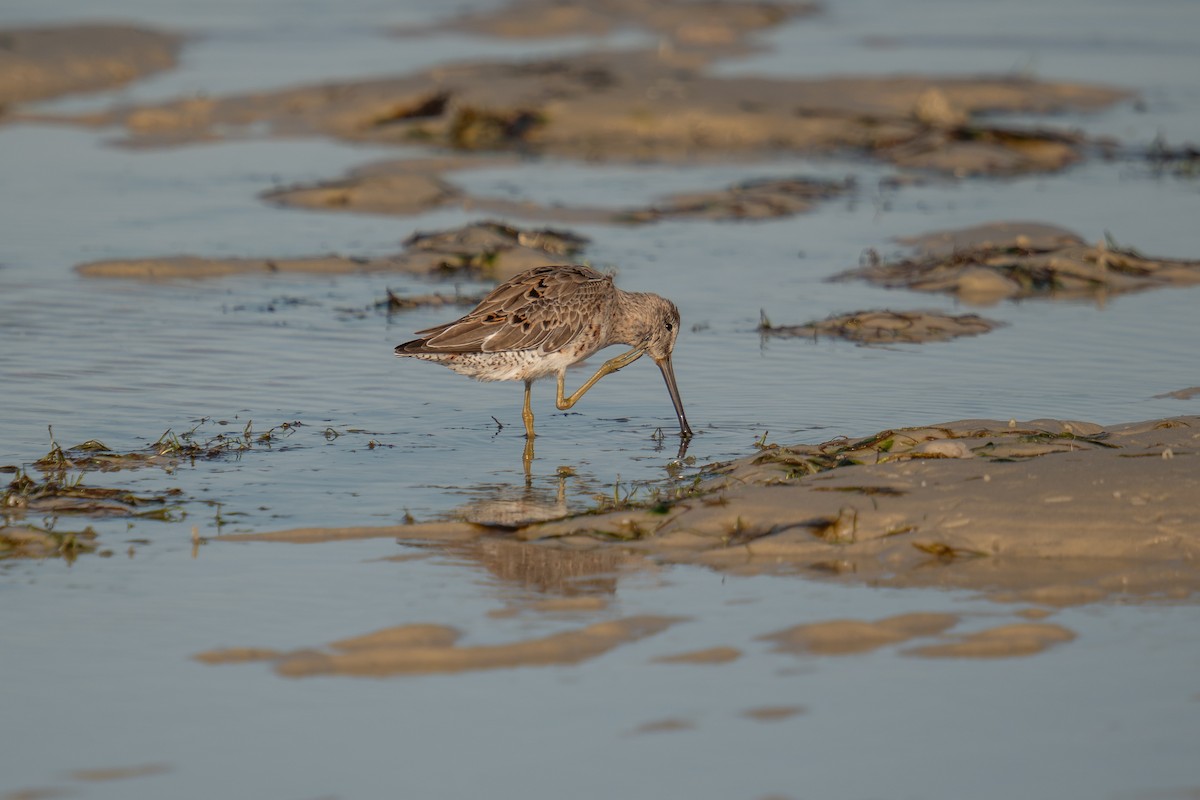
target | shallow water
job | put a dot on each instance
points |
(101, 648)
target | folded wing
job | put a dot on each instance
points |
(543, 309)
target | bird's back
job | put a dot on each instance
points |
(543, 309)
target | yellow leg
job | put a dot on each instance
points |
(608, 367)
(527, 415)
(527, 412)
(527, 460)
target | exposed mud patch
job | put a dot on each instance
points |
(713, 22)
(773, 713)
(1005, 641)
(38, 793)
(886, 327)
(974, 149)
(411, 187)
(483, 249)
(767, 198)
(441, 534)
(88, 775)
(119, 773)
(425, 649)
(37, 63)
(640, 105)
(582, 604)
(1180, 394)
(493, 249)
(850, 636)
(666, 725)
(988, 263)
(711, 655)
(185, 267)
(391, 187)
(843, 637)
(394, 303)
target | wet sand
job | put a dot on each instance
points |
(432, 649)
(882, 327)
(38, 63)
(660, 105)
(1046, 511)
(409, 187)
(492, 250)
(712, 23)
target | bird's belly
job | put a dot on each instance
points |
(514, 365)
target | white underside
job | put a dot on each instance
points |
(521, 365)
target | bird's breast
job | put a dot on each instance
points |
(506, 365)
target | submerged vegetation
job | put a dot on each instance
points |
(60, 492)
(1181, 161)
(394, 303)
(167, 451)
(26, 541)
(63, 490)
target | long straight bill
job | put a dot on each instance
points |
(685, 430)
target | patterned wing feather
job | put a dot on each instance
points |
(544, 308)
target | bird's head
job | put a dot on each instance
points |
(661, 328)
(658, 328)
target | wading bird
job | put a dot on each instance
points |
(542, 321)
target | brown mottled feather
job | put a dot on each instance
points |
(544, 320)
(542, 309)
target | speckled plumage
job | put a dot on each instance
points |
(545, 319)
(528, 327)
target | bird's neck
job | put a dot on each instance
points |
(629, 323)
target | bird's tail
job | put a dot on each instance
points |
(413, 348)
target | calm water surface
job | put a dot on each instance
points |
(100, 649)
